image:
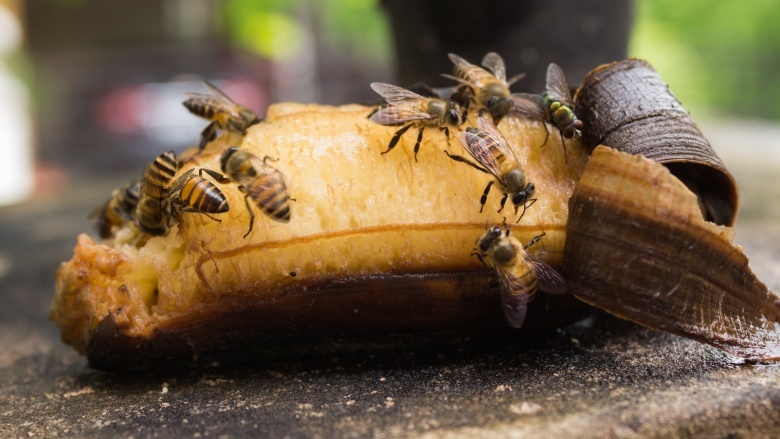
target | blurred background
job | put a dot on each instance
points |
(92, 89)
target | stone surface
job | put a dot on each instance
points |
(600, 378)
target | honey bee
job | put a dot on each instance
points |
(554, 106)
(118, 210)
(259, 181)
(490, 149)
(151, 213)
(519, 274)
(222, 111)
(192, 192)
(412, 110)
(488, 89)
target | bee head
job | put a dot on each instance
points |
(572, 129)
(498, 107)
(521, 197)
(226, 156)
(489, 238)
(453, 113)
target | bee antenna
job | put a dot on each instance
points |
(506, 226)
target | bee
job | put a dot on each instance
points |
(520, 275)
(488, 89)
(151, 213)
(118, 210)
(259, 181)
(222, 111)
(554, 106)
(490, 149)
(412, 110)
(192, 192)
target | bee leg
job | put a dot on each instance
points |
(526, 206)
(446, 133)
(462, 159)
(214, 174)
(251, 213)
(397, 137)
(503, 202)
(483, 200)
(481, 259)
(373, 112)
(266, 158)
(208, 134)
(534, 240)
(417, 145)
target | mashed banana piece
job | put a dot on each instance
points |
(357, 214)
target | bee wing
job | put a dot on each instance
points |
(394, 115)
(478, 148)
(395, 95)
(493, 62)
(500, 142)
(445, 92)
(529, 105)
(99, 211)
(458, 61)
(557, 88)
(514, 298)
(550, 281)
(217, 93)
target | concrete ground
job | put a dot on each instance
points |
(599, 378)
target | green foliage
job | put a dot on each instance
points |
(276, 29)
(720, 55)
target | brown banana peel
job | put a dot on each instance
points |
(638, 246)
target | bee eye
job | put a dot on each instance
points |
(519, 198)
(454, 117)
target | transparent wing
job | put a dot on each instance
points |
(445, 92)
(395, 95)
(478, 148)
(557, 88)
(514, 298)
(458, 61)
(529, 105)
(493, 62)
(395, 115)
(217, 93)
(100, 210)
(550, 281)
(486, 126)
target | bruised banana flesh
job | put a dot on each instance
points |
(376, 242)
